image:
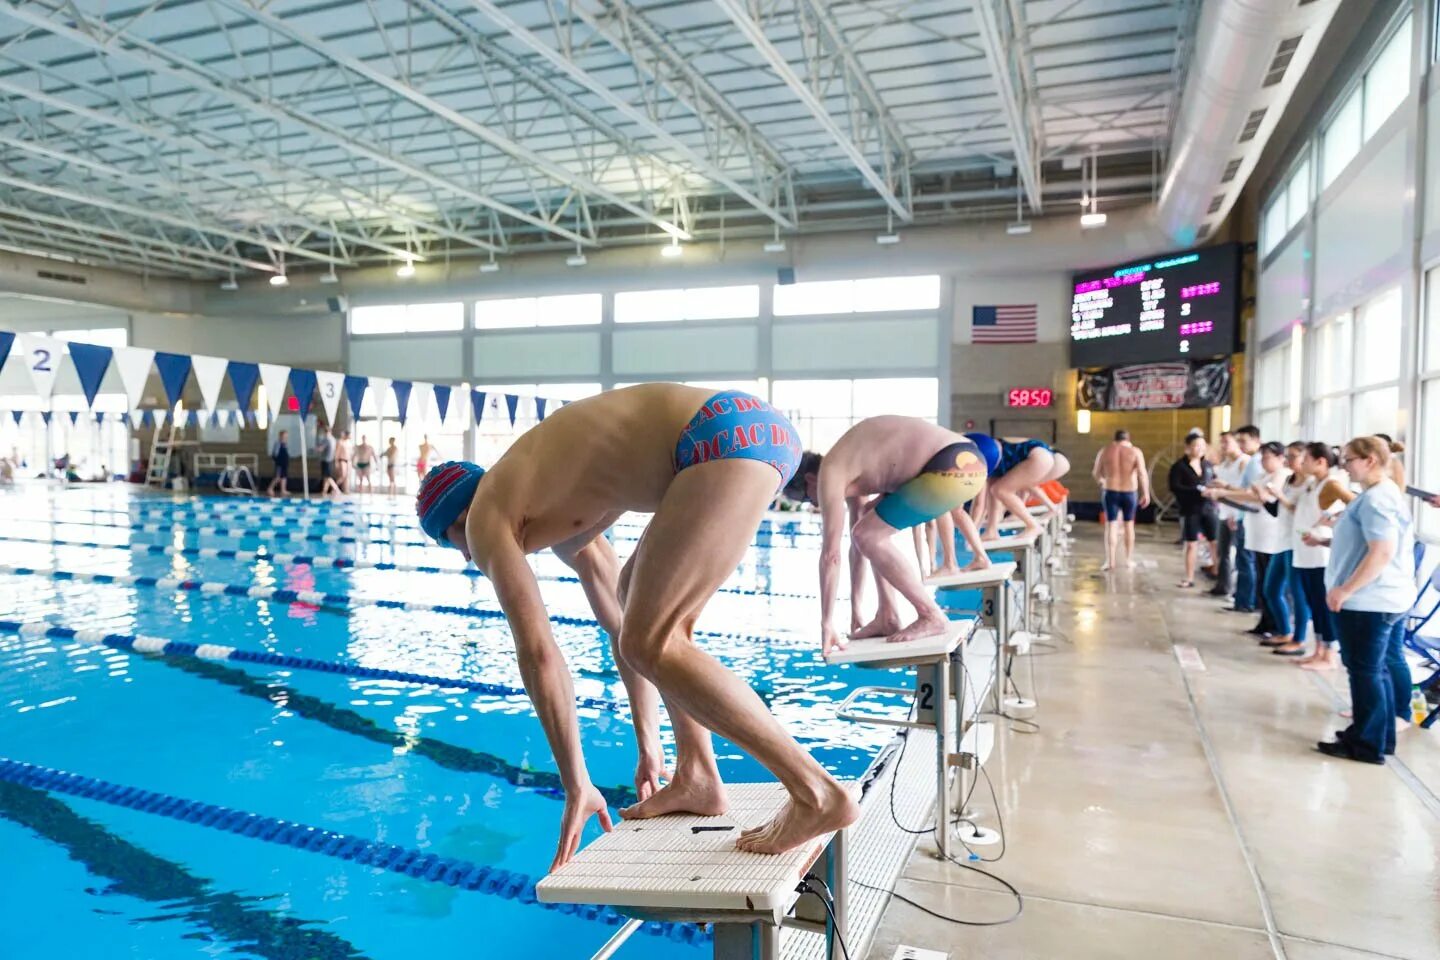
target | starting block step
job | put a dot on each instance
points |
(925, 650)
(686, 867)
(1020, 541)
(1019, 642)
(974, 579)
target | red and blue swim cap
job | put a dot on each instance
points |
(445, 491)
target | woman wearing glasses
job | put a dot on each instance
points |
(1370, 581)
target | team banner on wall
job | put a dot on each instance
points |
(1173, 385)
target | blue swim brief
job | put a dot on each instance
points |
(1120, 504)
(1014, 454)
(952, 478)
(733, 425)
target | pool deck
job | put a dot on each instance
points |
(1168, 810)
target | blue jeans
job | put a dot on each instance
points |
(1285, 599)
(1312, 585)
(1366, 641)
(1244, 572)
(1400, 678)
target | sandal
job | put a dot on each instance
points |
(1185, 584)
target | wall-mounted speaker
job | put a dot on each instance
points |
(337, 304)
(785, 276)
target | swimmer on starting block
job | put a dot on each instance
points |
(1018, 466)
(920, 471)
(708, 465)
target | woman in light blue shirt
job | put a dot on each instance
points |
(1370, 584)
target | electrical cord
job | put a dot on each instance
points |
(827, 900)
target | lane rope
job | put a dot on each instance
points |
(336, 563)
(136, 643)
(450, 871)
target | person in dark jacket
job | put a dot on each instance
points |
(1198, 516)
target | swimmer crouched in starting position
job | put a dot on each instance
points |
(920, 471)
(708, 465)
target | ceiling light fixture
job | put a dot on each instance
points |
(490, 266)
(229, 283)
(576, 259)
(279, 280)
(1091, 216)
(889, 237)
(672, 249)
(1021, 226)
(406, 270)
(777, 245)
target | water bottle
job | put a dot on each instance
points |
(1419, 708)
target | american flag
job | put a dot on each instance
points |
(1012, 323)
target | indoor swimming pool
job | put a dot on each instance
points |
(324, 733)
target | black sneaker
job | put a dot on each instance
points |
(1343, 751)
(1218, 592)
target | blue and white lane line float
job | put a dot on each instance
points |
(134, 643)
(461, 874)
(331, 563)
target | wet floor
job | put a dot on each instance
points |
(1181, 812)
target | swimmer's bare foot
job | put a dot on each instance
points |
(945, 570)
(881, 626)
(981, 562)
(797, 822)
(926, 626)
(701, 794)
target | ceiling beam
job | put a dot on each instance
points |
(197, 196)
(483, 133)
(881, 183)
(269, 173)
(702, 165)
(1005, 53)
(97, 36)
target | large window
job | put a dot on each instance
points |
(698, 303)
(111, 337)
(407, 318)
(1356, 370)
(1272, 393)
(1426, 438)
(876, 295)
(1287, 206)
(1383, 88)
(822, 410)
(567, 310)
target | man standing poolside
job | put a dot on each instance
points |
(708, 465)
(1120, 471)
(921, 471)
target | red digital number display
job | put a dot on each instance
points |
(1030, 397)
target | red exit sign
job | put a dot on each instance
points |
(1030, 397)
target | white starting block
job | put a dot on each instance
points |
(994, 604)
(685, 868)
(940, 682)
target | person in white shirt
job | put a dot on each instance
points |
(1322, 495)
(1228, 471)
(1266, 537)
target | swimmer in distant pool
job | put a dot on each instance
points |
(708, 465)
(920, 472)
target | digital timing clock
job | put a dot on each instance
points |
(1029, 397)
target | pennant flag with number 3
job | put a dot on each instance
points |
(331, 386)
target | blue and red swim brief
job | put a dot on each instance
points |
(733, 425)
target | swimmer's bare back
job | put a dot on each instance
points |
(1119, 467)
(882, 454)
(593, 460)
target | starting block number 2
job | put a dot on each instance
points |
(925, 698)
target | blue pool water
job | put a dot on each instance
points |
(434, 770)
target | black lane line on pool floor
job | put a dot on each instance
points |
(138, 873)
(344, 720)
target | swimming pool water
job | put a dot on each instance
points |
(435, 770)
